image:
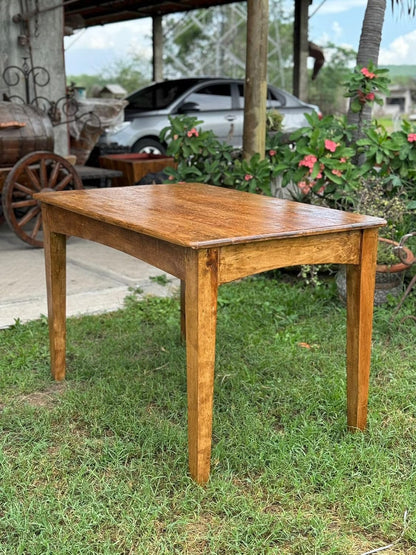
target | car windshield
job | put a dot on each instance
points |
(160, 95)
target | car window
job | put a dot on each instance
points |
(158, 96)
(274, 99)
(212, 97)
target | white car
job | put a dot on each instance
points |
(218, 102)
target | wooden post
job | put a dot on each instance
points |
(300, 49)
(157, 48)
(255, 90)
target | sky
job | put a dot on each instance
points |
(337, 21)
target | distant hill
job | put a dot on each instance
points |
(401, 71)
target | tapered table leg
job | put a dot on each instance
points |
(183, 311)
(360, 305)
(55, 266)
(201, 317)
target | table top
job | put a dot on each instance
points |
(201, 216)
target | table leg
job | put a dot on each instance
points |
(183, 311)
(55, 265)
(201, 318)
(360, 306)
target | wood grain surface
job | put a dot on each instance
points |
(198, 216)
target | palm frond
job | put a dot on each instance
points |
(409, 6)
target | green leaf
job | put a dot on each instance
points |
(356, 106)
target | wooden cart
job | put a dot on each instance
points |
(28, 165)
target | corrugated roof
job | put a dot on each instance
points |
(114, 89)
(86, 13)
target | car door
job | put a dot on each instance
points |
(213, 104)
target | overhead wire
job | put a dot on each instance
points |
(318, 8)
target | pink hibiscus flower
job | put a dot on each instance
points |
(308, 161)
(304, 187)
(330, 145)
(367, 73)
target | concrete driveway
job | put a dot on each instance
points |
(98, 279)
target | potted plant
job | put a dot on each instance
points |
(274, 121)
(376, 196)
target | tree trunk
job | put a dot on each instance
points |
(368, 50)
(371, 32)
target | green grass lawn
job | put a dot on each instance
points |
(387, 123)
(98, 464)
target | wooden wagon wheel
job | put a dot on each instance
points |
(35, 172)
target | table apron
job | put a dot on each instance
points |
(235, 261)
(167, 257)
(238, 261)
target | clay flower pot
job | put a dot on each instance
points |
(389, 277)
(398, 266)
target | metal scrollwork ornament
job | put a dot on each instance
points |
(62, 111)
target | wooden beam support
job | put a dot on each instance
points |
(255, 90)
(157, 44)
(300, 49)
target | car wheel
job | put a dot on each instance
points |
(148, 146)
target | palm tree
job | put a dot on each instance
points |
(370, 39)
(372, 28)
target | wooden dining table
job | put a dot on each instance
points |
(207, 236)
